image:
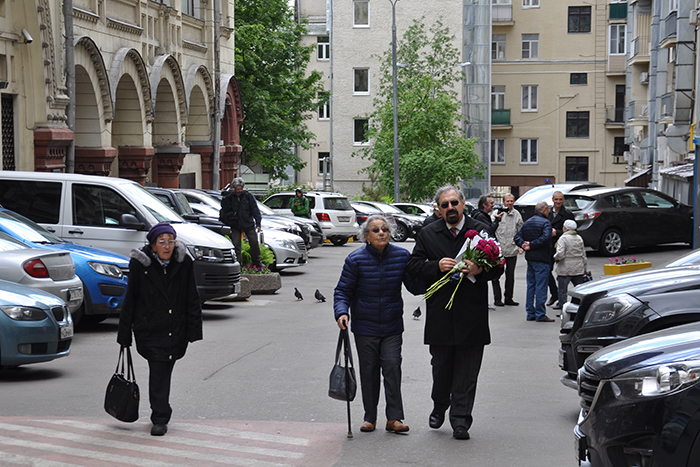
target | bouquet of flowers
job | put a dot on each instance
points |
(480, 250)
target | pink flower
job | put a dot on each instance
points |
(471, 234)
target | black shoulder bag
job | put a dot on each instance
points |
(122, 397)
(343, 384)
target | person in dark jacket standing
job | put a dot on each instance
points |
(239, 210)
(483, 214)
(433, 217)
(369, 295)
(456, 336)
(162, 308)
(557, 216)
(535, 238)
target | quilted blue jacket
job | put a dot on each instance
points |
(538, 231)
(369, 290)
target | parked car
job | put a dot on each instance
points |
(640, 402)
(289, 249)
(116, 214)
(332, 211)
(611, 220)
(607, 311)
(414, 209)
(177, 201)
(103, 274)
(363, 211)
(50, 271)
(311, 231)
(35, 326)
(690, 259)
(526, 203)
(407, 225)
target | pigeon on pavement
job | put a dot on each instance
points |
(297, 294)
(416, 313)
(319, 296)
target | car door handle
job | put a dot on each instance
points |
(51, 230)
(75, 232)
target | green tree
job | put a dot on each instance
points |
(432, 147)
(276, 92)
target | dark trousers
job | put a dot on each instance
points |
(252, 236)
(159, 376)
(455, 372)
(553, 289)
(563, 283)
(510, 280)
(375, 354)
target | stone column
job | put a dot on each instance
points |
(50, 149)
(230, 155)
(94, 161)
(135, 162)
(169, 161)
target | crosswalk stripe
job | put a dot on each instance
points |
(7, 457)
(182, 440)
(109, 443)
(210, 430)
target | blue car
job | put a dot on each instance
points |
(35, 326)
(103, 273)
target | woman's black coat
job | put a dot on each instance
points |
(161, 305)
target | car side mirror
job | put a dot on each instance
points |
(129, 221)
(191, 218)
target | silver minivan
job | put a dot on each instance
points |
(116, 214)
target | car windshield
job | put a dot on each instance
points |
(337, 204)
(203, 198)
(182, 199)
(538, 194)
(24, 228)
(153, 205)
(8, 243)
(576, 203)
(390, 209)
(265, 211)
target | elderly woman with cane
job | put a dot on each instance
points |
(368, 295)
(162, 308)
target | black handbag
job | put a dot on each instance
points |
(122, 397)
(343, 384)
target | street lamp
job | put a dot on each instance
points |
(397, 197)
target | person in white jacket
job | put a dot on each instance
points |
(570, 261)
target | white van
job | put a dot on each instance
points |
(116, 214)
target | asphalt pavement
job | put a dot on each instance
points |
(254, 392)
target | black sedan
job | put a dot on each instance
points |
(611, 220)
(641, 402)
(407, 225)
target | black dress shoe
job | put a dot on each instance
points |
(460, 433)
(159, 429)
(552, 301)
(498, 303)
(512, 303)
(436, 419)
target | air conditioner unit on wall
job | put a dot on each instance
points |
(627, 156)
(644, 77)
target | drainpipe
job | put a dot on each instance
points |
(653, 70)
(329, 29)
(70, 82)
(216, 114)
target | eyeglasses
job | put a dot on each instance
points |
(377, 229)
(446, 204)
(166, 242)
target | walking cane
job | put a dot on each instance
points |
(346, 341)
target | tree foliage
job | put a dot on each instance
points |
(276, 93)
(432, 147)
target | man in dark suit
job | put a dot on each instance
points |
(456, 336)
(557, 216)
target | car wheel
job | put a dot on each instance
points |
(611, 243)
(401, 233)
(273, 265)
(339, 241)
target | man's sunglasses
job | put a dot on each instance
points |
(446, 204)
(377, 229)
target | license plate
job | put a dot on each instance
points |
(343, 218)
(580, 446)
(561, 358)
(66, 332)
(75, 295)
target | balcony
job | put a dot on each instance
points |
(614, 117)
(667, 105)
(638, 112)
(501, 14)
(618, 11)
(669, 25)
(500, 117)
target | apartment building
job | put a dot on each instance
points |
(558, 92)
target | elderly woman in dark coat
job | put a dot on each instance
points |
(369, 294)
(163, 309)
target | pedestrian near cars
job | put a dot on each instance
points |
(558, 214)
(368, 296)
(570, 262)
(163, 310)
(535, 237)
(511, 222)
(300, 204)
(239, 210)
(485, 214)
(434, 216)
(456, 335)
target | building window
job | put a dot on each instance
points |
(360, 80)
(528, 151)
(529, 98)
(360, 13)
(576, 169)
(324, 158)
(531, 3)
(191, 8)
(360, 131)
(323, 48)
(579, 19)
(498, 151)
(498, 97)
(324, 110)
(620, 147)
(531, 45)
(577, 124)
(617, 39)
(498, 47)
(578, 78)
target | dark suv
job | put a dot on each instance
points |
(607, 311)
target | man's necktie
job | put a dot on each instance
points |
(454, 231)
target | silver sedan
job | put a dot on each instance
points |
(50, 271)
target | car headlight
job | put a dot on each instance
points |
(657, 380)
(23, 313)
(609, 308)
(204, 253)
(106, 269)
(290, 244)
